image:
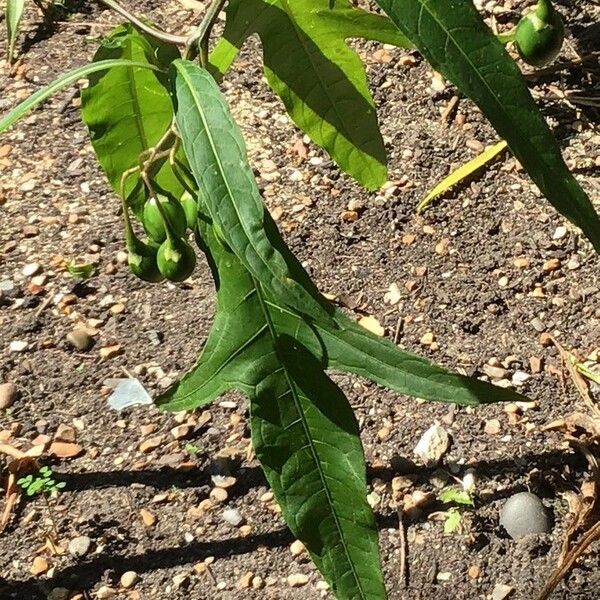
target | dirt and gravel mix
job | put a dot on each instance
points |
(176, 506)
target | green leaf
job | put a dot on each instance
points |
(216, 152)
(230, 358)
(14, 13)
(303, 429)
(452, 521)
(128, 109)
(62, 82)
(457, 43)
(320, 79)
(458, 496)
(80, 270)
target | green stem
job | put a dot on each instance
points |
(201, 36)
(169, 38)
(506, 38)
(544, 10)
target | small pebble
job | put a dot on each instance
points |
(59, 593)
(8, 395)
(501, 591)
(233, 517)
(104, 592)
(80, 339)
(80, 546)
(181, 580)
(129, 579)
(297, 548)
(433, 445)
(18, 346)
(297, 580)
(31, 269)
(523, 514)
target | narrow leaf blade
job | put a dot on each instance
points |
(457, 43)
(217, 155)
(14, 14)
(62, 82)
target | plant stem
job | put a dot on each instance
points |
(169, 38)
(201, 35)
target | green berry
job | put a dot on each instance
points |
(190, 208)
(153, 219)
(176, 259)
(540, 35)
(141, 258)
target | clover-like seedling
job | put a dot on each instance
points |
(42, 483)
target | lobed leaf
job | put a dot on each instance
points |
(457, 43)
(320, 79)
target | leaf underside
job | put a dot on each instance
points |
(454, 39)
(128, 109)
(320, 79)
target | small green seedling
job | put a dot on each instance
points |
(42, 483)
(80, 270)
(191, 448)
(461, 497)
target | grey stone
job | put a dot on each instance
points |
(8, 395)
(59, 593)
(80, 546)
(523, 514)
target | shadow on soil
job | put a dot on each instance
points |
(550, 474)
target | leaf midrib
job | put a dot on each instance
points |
(310, 444)
(241, 221)
(332, 103)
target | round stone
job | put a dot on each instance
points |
(524, 514)
(129, 579)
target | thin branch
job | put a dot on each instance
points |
(169, 38)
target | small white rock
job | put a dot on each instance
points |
(18, 346)
(129, 579)
(233, 517)
(434, 443)
(31, 269)
(559, 233)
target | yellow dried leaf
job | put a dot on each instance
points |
(461, 173)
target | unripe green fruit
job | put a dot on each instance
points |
(540, 35)
(176, 259)
(190, 208)
(141, 258)
(153, 220)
